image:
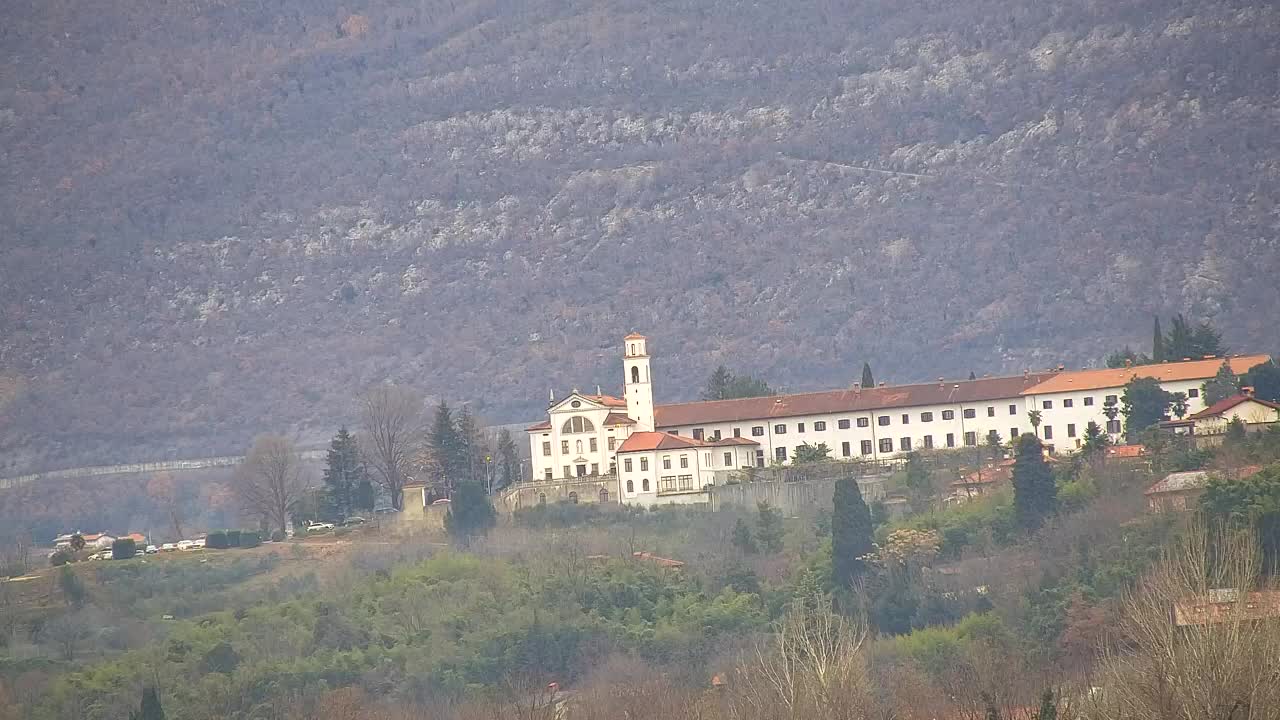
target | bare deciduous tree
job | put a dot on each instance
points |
(391, 420)
(269, 481)
(1179, 661)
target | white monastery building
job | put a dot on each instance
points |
(672, 453)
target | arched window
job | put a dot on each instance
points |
(578, 447)
(644, 484)
(631, 486)
(573, 498)
(577, 424)
(604, 495)
(542, 498)
(635, 373)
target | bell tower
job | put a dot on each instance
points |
(636, 380)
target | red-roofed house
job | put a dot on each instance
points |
(659, 468)
(1256, 415)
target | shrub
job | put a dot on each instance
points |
(123, 549)
(249, 539)
(216, 540)
(59, 558)
(233, 538)
(277, 536)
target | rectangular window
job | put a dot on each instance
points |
(948, 414)
(906, 419)
(667, 483)
(780, 454)
(1013, 434)
(799, 427)
(1071, 430)
(564, 447)
(779, 429)
(673, 432)
(883, 421)
(759, 458)
(613, 443)
(697, 433)
(613, 468)
(715, 434)
(926, 417)
(728, 459)
(842, 424)
(1013, 409)
(1068, 402)
(706, 458)
(951, 440)
(1193, 393)
(819, 426)
(970, 439)
(685, 482)
(666, 462)
(991, 411)
(737, 432)
(1113, 427)
(844, 449)
(757, 431)
(1048, 432)
(1111, 400)
(595, 468)
(993, 436)
(1088, 402)
(644, 464)
(970, 413)
(866, 447)
(546, 449)
(864, 422)
(546, 475)
(904, 444)
(567, 473)
(928, 442)
(684, 462)
(626, 465)
(1047, 404)
(594, 446)
(886, 445)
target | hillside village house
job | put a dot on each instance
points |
(670, 453)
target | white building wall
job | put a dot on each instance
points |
(548, 451)
(1064, 415)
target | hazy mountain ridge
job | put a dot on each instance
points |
(224, 220)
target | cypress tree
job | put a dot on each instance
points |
(868, 380)
(1157, 343)
(446, 446)
(343, 473)
(508, 460)
(1035, 494)
(851, 534)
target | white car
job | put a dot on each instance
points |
(187, 545)
(168, 547)
(198, 544)
(319, 527)
(152, 550)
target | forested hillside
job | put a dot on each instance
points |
(225, 217)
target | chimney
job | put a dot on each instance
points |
(941, 383)
(1128, 363)
(857, 387)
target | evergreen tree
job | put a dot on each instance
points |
(1265, 381)
(508, 460)
(365, 497)
(470, 512)
(474, 448)
(1048, 704)
(1095, 441)
(1187, 341)
(1236, 432)
(718, 384)
(446, 446)
(343, 474)
(1157, 343)
(1143, 404)
(1035, 494)
(768, 528)
(973, 375)
(1125, 358)
(150, 709)
(1220, 386)
(742, 538)
(868, 380)
(851, 534)
(919, 481)
(725, 385)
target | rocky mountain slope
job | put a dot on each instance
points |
(227, 217)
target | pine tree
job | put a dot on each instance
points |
(343, 474)
(1221, 386)
(446, 446)
(474, 449)
(470, 512)
(365, 496)
(742, 538)
(1095, 440)
(1179, 344)
(868, 381)
(1157, 343)
(1035, 494)
(851, 534)
(768, 528)
(508, 460)
(718, 384)
(1265, 381)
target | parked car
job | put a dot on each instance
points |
(198, 544)
(319, 527)
(354, 520)
(152, 550)
(185, 544)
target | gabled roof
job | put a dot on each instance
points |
(1122, 452)
(618, 419)
(607, 400)
(644, 441)
(1226, 404)
(634, 336)
(727, 441)
(1164, 372)
(831, 402)
(1196, 479)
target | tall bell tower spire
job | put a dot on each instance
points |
(637, 381)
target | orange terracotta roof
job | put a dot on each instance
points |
(725, 441)
(1164, 372)
(634, 336)
(1226, 404)
(536, 427)
(643, 441)
(844, 401)
(1001, 472)
(618, 419)
(1126, 451)
(606, 400)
